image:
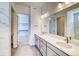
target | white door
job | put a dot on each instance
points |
(23, 29)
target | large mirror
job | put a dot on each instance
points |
(65, 23)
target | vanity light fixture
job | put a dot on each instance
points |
(44, 15)
(59, 5)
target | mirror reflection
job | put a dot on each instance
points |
(51, 25)
(65, 23)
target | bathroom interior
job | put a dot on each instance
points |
(61, 32)
(52, 29)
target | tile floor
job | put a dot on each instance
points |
(26, 50)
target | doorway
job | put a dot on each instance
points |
(60, 26)
(23, 29)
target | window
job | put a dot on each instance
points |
(23, 22)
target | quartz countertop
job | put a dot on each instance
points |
(53, 39)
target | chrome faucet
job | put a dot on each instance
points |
(68, 39)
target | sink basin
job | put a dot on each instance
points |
(63, 44)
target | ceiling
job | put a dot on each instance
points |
(34, 4)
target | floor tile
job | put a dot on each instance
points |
(26, 50)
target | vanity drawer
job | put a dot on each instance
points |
(42, 46)
(43, 41)
(37, 43)
(43, 53)
(50, 52)
(37, 37)
(59, 52)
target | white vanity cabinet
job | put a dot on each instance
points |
(48, 49)
(37, 41)
(50, 52)
(42, 47)
(54, 51)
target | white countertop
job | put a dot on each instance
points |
(53, 39)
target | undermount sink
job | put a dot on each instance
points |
(63, 44)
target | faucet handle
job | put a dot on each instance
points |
(70, 38)
(66, 40)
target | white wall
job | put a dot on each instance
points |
(5, 31)
(35, 24)
(22, 9)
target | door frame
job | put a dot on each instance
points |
(29, 25)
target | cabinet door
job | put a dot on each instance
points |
(59, 52)
(37, 41)
(50, 52)
(42, 48)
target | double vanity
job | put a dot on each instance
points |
(54, 45)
